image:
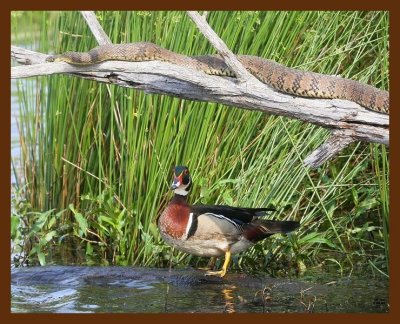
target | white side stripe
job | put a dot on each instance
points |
(188, 226)
(238, 226)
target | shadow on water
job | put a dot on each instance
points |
(71, 289)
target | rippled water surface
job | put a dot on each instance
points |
(71, 289)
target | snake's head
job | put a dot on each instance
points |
(51, 58)
(68, 57)
(55, 58)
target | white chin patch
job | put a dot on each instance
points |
(181, 191)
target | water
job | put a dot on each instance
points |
(75, 289)
(25, 34)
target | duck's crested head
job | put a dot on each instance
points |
(182, 181)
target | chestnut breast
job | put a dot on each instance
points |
(173, 221)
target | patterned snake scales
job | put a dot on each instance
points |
(280, 77)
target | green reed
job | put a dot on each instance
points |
(100, 156)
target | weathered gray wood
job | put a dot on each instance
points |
(332, 147)
(95, 27)
(338, 140)
(26, 57)
(347, 120)
(170, 79)
(230, 59)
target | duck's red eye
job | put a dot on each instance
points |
(186, 171)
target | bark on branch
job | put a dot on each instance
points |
(346, 119)
(338, 140)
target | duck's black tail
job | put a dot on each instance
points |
(260, 229)
(277, 226)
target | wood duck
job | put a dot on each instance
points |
(213, 231)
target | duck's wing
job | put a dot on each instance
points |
(237, 214)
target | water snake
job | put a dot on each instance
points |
(282, 78)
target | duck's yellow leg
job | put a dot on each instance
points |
(221, 272)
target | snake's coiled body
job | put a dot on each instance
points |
(280, 77)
